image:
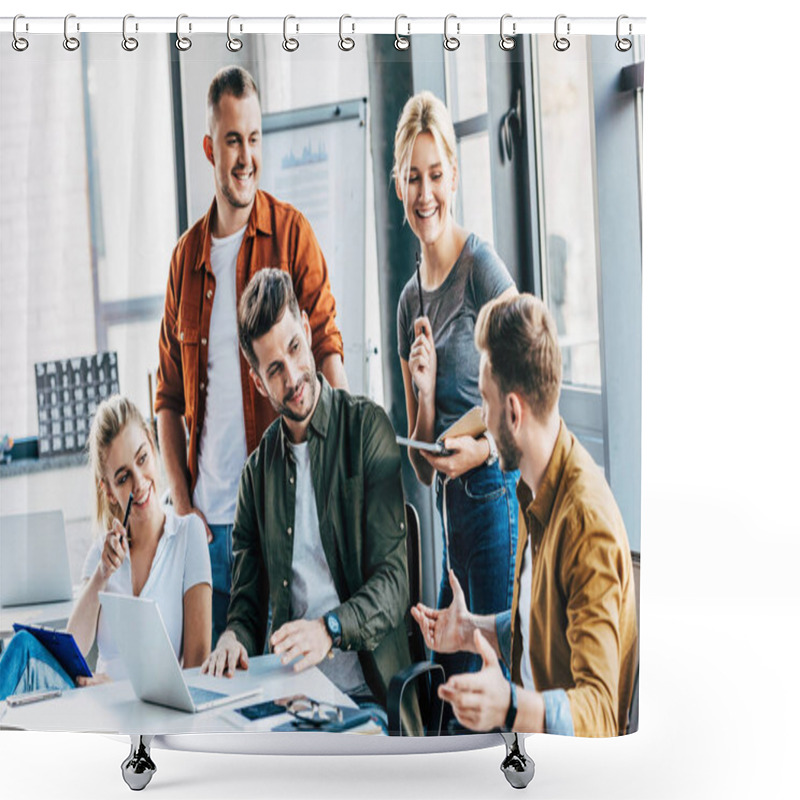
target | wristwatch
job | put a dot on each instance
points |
(492, 449)
(334, 628)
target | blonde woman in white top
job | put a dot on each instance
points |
(160, 556)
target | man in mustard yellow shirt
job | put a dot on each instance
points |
(570, 637)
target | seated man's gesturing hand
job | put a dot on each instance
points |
(308, 638)
(446, 630)
(480, 700)
(226, 657)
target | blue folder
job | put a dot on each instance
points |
(63, 647)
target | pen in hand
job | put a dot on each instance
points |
(127, 514)
(419, 287)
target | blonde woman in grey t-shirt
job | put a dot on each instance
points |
(436, 316)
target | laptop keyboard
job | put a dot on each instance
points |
(200, 696)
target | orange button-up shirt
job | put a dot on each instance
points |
(277, 235)
(583, 632)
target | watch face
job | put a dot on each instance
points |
(334, 626)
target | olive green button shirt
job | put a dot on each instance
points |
(583, 632)
(355, 469)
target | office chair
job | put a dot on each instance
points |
(426, 675)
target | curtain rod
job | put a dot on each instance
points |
(349, 25)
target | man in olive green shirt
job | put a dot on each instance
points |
(319, 534)
(570, 637)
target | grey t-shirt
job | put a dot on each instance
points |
(477, 277)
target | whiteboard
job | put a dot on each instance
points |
(316, 159)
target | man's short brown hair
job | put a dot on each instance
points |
(519, 337)
(262, 305)
(232, 80)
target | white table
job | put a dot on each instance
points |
(114, 708)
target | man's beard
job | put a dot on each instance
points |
(283, 409)
(233, 200)
(510, 455)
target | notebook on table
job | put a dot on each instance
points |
(63, 647)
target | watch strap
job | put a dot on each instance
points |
(492, 459)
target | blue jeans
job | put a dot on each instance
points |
(221, 553)
(27, 666)
(482, 514)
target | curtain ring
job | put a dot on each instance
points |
(451, 42)
(401, 42)
(183, 43)
(345, 42)
(233, 44)
(507, 42)
(128, 42)
(289, 44)
(623, 45)
(19, 43)
(71, 43)
(561, 43)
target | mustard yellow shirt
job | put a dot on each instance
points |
(583, 632)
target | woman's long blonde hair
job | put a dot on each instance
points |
(111, 417)
(422, 113)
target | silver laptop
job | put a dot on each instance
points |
(34, 566)
(153, 669)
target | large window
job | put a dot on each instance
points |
(45, 245)
(88, 213)
(134, 224)
(468, 104)
(567, 219)
(571, 184)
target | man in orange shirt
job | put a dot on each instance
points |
(570, 638)
(203, 380)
